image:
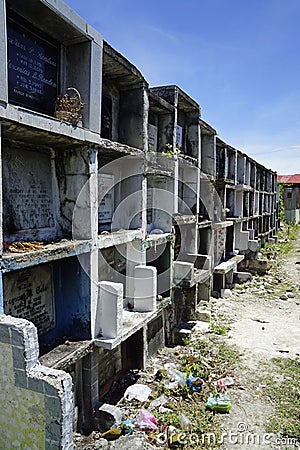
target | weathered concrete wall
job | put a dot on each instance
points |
(36, 402)
(133, 112)
(155, 335)
(29, 193)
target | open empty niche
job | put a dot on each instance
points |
(112, 264)
(208, 151)
(230, 164)
(160, 124)
(159, 256)
(120, 201)
(188, 189)
(204, 241)
(122, 100)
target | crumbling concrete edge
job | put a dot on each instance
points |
(55, 385)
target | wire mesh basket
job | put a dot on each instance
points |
(68, 107)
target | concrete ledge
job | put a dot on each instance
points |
(62, 356)
(224, 224)
(119, 237)
(51, 252)
(231, 264)
(132, 322)
(157, 239)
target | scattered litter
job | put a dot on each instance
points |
(159, 401)
(127, 427)
(177, 378)
(195, 384)
(138, 391)
(224, 382)
(185, 423)
(218, 402)
(112, 435)
(107, 417)
(146, 420)
(164, 410)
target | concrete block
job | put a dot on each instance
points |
(17, 337)
(4, 335)
(18, 357)
(110, 319)
(145, 288)
(183, 271)
(20, 378)
(241, 277)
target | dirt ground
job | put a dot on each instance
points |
(264, 320)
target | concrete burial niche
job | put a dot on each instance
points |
(40, 190)
(49, 51)
(186, 124)
(124, 100)
(28, 193)
(54, 296)
(161, 121)
(160, 256)
(160, 203)
(120, 194)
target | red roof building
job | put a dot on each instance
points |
(289, 179)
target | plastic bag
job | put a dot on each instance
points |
(146, 420)
(176, 377)
(218, 402)
(159, 401)
(185, 423)
(195, 384)
(138, 391)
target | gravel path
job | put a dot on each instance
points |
(264, 316)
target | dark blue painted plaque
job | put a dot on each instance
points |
(33, 63)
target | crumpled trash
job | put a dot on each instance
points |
(111, 435)
(159, 401)
(177, 378)
(146, 420)
(224, 382)
(185, 423)
(218, 402)
(127, 427)
(140, 392)
(195, 384)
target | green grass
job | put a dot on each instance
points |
(286, 235)
(283, 389)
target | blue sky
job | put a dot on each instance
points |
(239, 59)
